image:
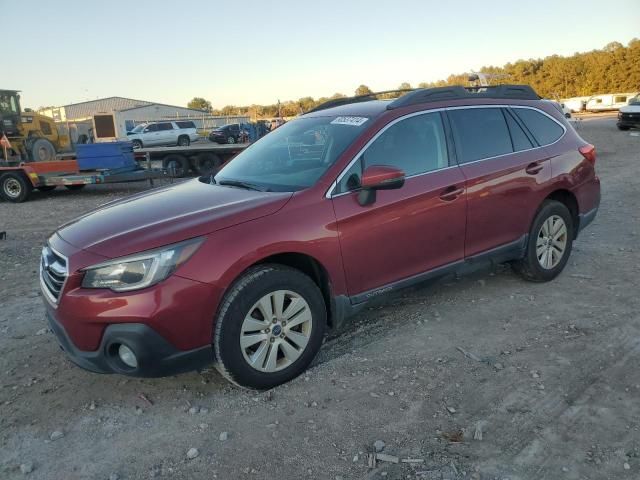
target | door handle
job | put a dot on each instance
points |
(451, 193)
(534, 168)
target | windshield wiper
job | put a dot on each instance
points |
(240, 184)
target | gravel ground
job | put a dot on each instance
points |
(548, 387)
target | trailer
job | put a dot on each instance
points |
(200, 158)
(19, 180)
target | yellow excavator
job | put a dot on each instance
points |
(33, 137)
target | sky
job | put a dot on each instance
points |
(61, 52)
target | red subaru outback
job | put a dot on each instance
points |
(249, 267)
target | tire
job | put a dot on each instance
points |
(623, 128)
(42, 150)
(177, 165)
(184, 141)
(137, 144)
(74, 188)
(207, 163)
(46, 188)
(538, 266)
(231, 326)
(15, 187)
(231, 139)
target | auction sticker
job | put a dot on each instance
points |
(353, 121)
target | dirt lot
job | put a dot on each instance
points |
(553, 388)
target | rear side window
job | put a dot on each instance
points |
(186, 124)
(543, 129)
(479, 133)
(518, 137)
(165, 126)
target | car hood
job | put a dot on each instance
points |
(167, 215)
(630, 108)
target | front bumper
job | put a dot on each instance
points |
(156, 357)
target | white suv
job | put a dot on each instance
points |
(180, 133)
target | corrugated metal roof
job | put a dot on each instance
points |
(101, 105)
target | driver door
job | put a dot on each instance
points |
(408, 231)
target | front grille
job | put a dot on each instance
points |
(53, 273)
(630, 116)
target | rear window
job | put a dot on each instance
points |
(479, 133)
(544, 130)
(186, 124)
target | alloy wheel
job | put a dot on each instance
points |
(551, 242)
(275, 331)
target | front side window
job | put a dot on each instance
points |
(294, 156)
(151, 128)
(414, 145)
(479, 133)
(544, 130)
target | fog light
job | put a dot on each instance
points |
(127, 356)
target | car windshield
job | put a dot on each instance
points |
(294, 156)
(139, 128)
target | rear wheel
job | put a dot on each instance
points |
(183, 141)
(42, 150)
(176, 165)
(549, 245)
(207, 163)
(14, 187)
(269, 327)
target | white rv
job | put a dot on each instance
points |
(609, 101)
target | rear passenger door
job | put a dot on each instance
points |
(505, 173)
(168, 135)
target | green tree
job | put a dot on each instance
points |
(363, 90)
(199, 103)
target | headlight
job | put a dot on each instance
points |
(141, 270)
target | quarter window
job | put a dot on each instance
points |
(544, 130)
(415, 145)
(479, 133)
(518, 137)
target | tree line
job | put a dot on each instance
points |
(614, 68)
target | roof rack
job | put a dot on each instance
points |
(457, 92)
(336, 102)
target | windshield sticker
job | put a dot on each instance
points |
(353, 121)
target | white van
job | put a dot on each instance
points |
(609, 101)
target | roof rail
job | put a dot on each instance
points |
(336, 102)
(457, 92)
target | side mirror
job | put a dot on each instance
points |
(378, 177)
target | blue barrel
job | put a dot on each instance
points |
(104, 156)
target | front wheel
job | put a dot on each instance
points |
(137, 144)
(269, 327)
(231, 139)
(14, 187)
(549, 244)
(184, 141)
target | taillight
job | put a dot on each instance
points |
(588, 151)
